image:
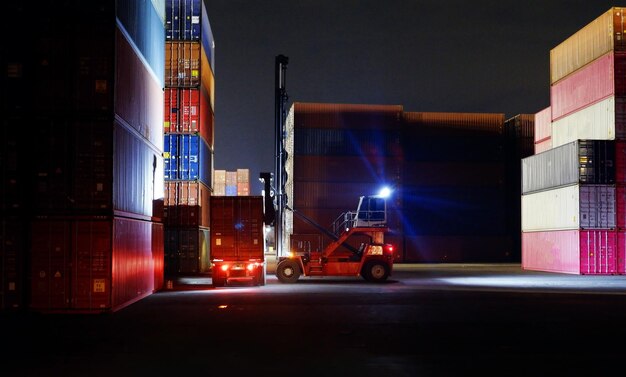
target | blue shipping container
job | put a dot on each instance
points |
(182, 20)
(187, 157)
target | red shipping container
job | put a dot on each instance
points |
(592, 83)
(91, 266)
(171, 110)
(580, 252)
(621, 252)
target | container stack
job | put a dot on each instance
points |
(337, 153)
(188, 135)
(231, 183)
(454, 187)
(83, 158)
(573, 188)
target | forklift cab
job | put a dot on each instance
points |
(371, 212)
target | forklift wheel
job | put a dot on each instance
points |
(288, 271)
(375, 271)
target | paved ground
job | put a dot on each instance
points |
(427, 320)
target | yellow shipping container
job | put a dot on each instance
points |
(604, 34)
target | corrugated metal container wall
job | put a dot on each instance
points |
(13, 238)
(543, 146)
(14, 166)
(620, 161)
(208, 42)
(451, 248)
(355, 169)
(188, 157)
(621, 252)
(543, 125)
(183, 19)
(90, 265)
(590, 84)
(570, 207)
(237, 228)
(186, 203)
(186, 110)
(207, 77)
(182, 64)
(138, 171)
(158, 255)
(581, 161)
(603, 120)
(620, 199)
(454, 173)
(353, 116)
(142, 22)
(187, 250)
(604, 34)
(342, 140)
(589, 252)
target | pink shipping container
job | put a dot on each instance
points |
(621, 252)
(620, 204)
(92, 266)
(543, 125)
(581, 252)
(543, 146)
(598, 80)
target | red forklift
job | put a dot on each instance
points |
(372, 259)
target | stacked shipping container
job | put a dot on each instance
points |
(454, 187)
(188, 135)
(83, 90)
(573, 189)
(231, 183)
(448, 171)
(336, 153)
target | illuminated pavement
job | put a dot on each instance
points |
(427, 320)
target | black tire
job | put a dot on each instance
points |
(288, 271)
(375, 271)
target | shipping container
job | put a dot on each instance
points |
(186, 111)
(543, 124)
(479, 122)
(353, 116)
(13, 244)
(451, 248)
(578, 162)
(219, 189)
(570, 207)
(243, 175)
(183, 20)
(453, 173)
(580, 252)
(346, 142)
(366, 170)
(186, 204)
(142, 22)
(187, 157)
(600, 36)
(182, 64)
(187, 250)
(543, 146)
(219, 176)
(621, 251)
(158, 255)
(603, 120)
(590, 84)
(91, 265)
(243, 188)
(237, 240)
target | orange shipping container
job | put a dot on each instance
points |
(182, 64)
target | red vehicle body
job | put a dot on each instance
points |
(237, 240)
(372, 260)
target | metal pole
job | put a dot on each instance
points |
(280, 97)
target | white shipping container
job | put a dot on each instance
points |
(569, 207)
(593, 122)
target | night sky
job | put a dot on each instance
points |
(429, 55)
